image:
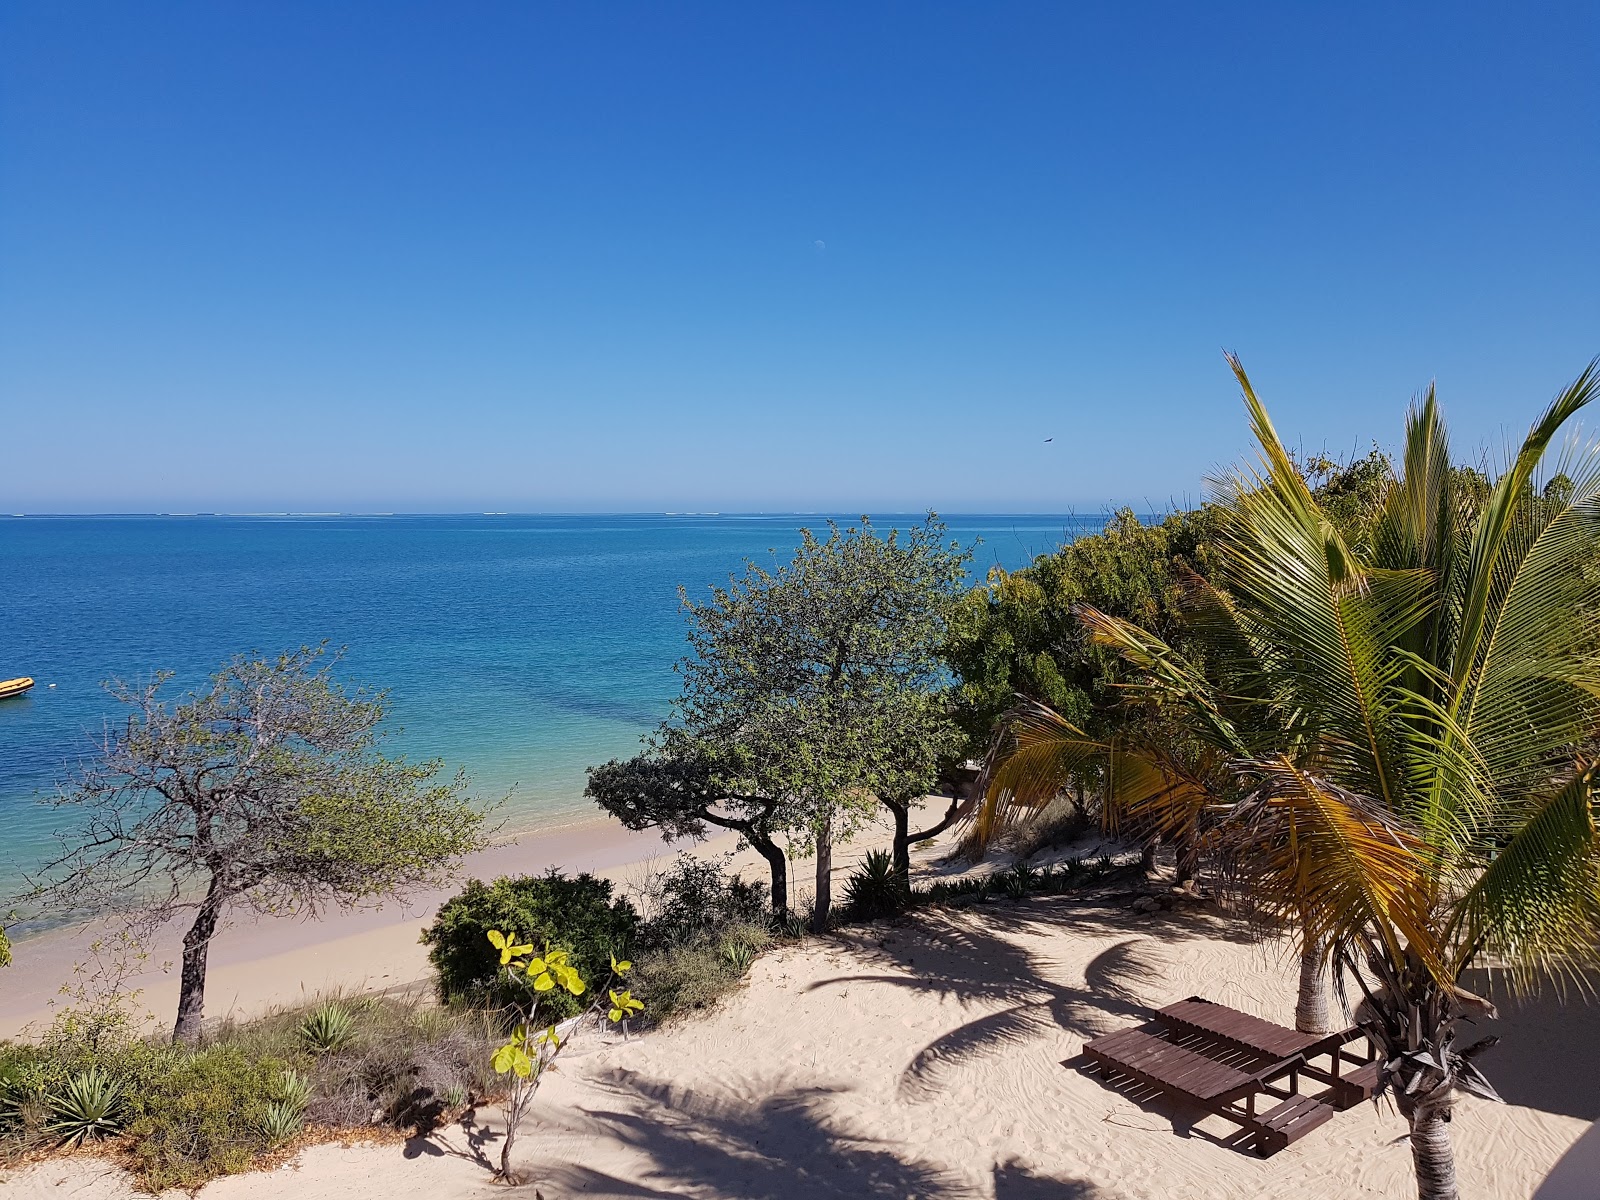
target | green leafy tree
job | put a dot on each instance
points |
(265, 792)
(813, 670)
(806, 698)
(681, 784)
(1425, 797)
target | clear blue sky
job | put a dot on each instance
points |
(742, 256)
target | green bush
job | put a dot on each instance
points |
(578, 915)
(876, 889)
(203, 1118)
(685, 978)
(694, 900)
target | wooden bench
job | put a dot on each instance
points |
(1289, 1122)
(1223, 1060)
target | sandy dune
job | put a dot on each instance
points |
(934, 1058)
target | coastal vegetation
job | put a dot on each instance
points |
(579, 915)
(182, 1114)
(1358, 700)
(1411, 784)
(812, 695)
(265, 792)
(535, 1040)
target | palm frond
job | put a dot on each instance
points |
(1535, 901)
(1336, 864)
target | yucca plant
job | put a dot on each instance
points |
(328, 1028)
(877, 888)
(1416, 791)
(285, 1114)
(738, 955)
(87, 1108)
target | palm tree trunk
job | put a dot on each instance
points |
(1432, 1154)
(1311, 1006)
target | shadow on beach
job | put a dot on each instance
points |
(1549, 1047)
(943, 953)
(779, 1147)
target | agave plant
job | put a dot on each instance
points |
(878, 888)
(87, 1108)
(328, 1028)
(1417, 788)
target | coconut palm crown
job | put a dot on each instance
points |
(1405, 723)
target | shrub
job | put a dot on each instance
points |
(577, 915)
(408, 1065)
(203, 1118)
(696, 975)
(877, 889)
(694, 900)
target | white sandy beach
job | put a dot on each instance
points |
(932, 1057)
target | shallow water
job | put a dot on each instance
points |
(524, 649)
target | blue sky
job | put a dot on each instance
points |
(767, 257)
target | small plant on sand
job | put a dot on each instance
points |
(328, 1028)
(535, 1044)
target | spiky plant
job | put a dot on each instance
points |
(328, 1028)
(88, 1107)
(1422, 795)
(877, 888)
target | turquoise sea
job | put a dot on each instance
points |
(522, 648)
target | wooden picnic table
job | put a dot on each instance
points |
(1223, 1059)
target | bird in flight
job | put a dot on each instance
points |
(1049, 439)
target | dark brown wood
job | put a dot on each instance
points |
(1289, 1122)
(1242, 1029)
(1223, 1059)
(1169, 1066)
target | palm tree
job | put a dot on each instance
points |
(1419, 796)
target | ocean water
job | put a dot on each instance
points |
(523, 649)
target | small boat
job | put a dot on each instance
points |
(14, 687)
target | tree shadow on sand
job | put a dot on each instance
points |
(977, 963)
(776, 1148)
(466, 1138)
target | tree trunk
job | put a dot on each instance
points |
(1147, 860)
(1311, 1006)
(824, 898)
(778, 866)
(902, 837)
(1431, 1153)
(192, 984)
(1188, 857)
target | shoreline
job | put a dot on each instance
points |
(258, 963)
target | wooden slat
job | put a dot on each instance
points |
(1171, 1066)
(1289, 1122)
(1248, 1031)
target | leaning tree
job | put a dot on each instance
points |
(266, 792)
(681, 785)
